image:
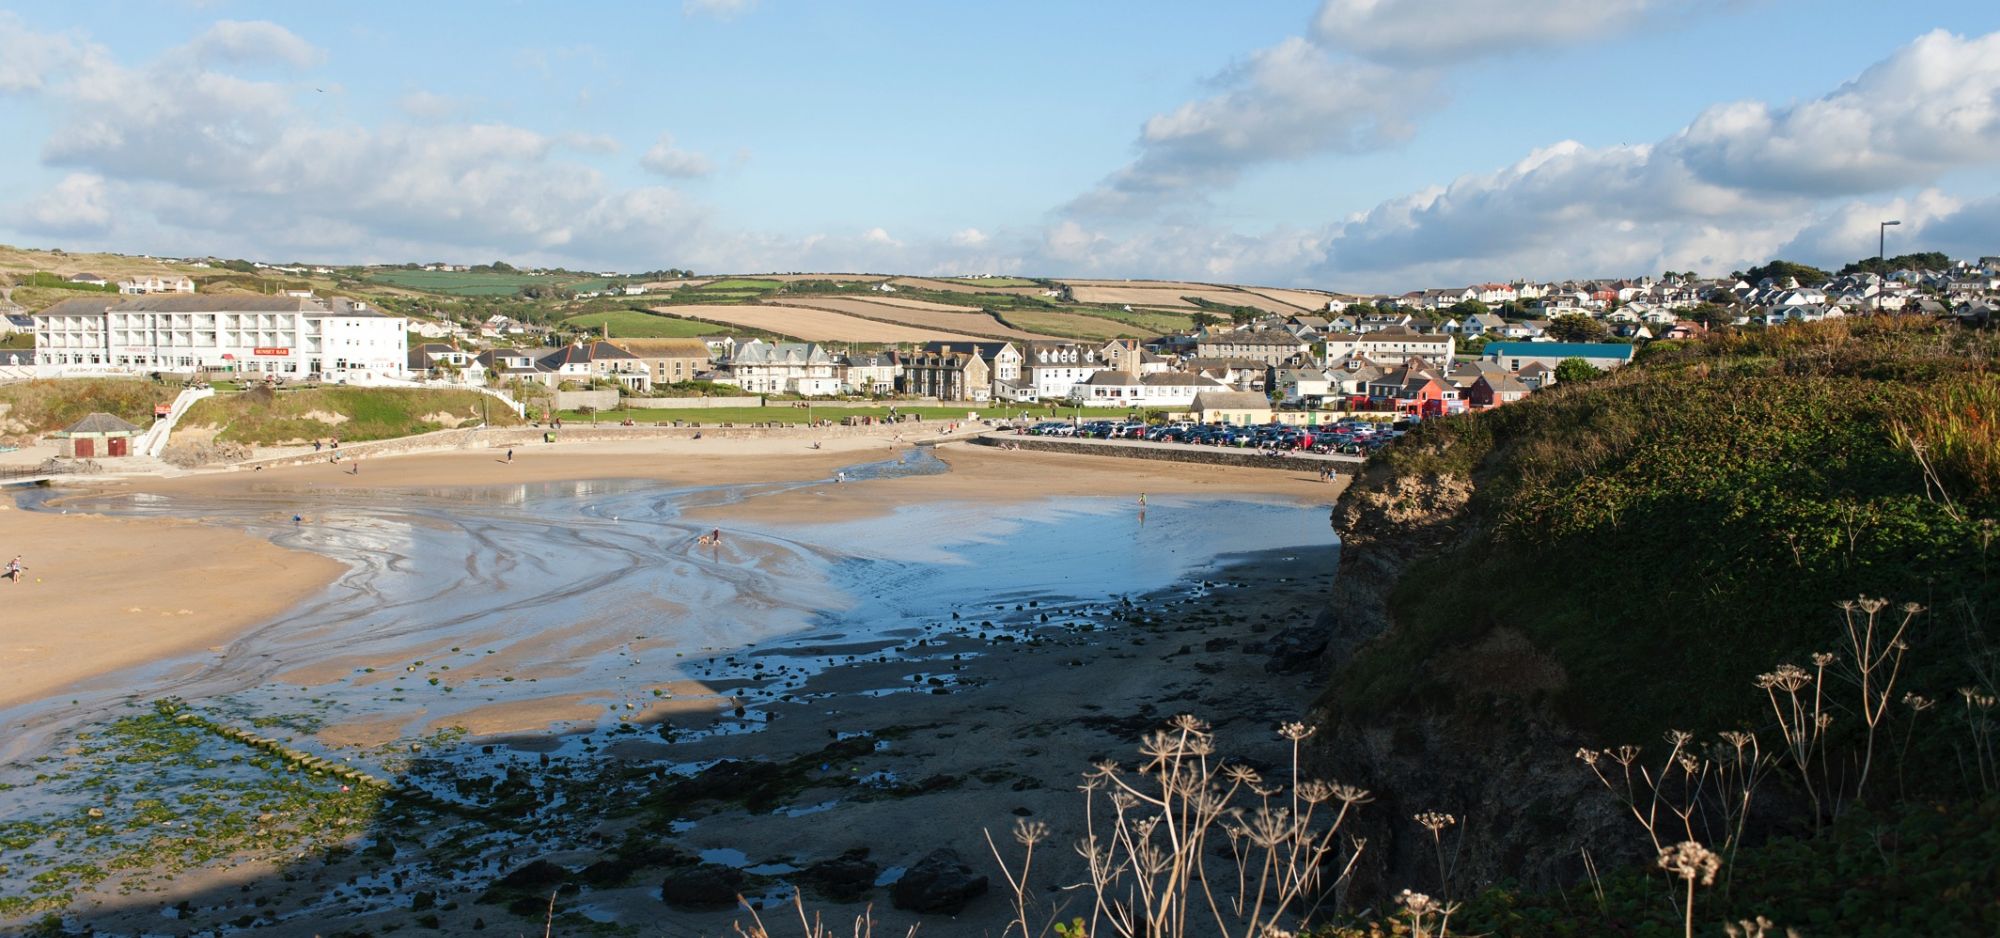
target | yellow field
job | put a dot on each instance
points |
(1308, 300)
(919, 314)
(953, 286)
(812, 325)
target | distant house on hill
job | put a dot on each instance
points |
(89, 280)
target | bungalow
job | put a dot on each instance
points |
(1296, 384)
(92, 280)
(1236, 408)
(1514, 356)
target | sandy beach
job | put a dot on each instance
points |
(101, 594)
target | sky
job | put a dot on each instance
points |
(1350, 145)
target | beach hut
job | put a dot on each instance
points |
(96, 435)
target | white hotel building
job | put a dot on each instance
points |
(283, 336)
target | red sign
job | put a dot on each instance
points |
(272, 351)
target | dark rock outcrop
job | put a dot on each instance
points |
(939, 883)
(702, 886)
(845, 878)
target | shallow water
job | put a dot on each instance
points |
(573, 606)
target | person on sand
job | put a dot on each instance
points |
(317, 444)
(296, 520)
(15, 569)
(715, 536)
(510, 455)
(1142, 499)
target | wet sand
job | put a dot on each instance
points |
(998, 724)
(103, 594)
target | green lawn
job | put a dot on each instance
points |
(633, 324)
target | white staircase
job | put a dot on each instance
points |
(154, 441)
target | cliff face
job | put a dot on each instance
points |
(1489, 755)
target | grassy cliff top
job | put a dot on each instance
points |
(1664, 533)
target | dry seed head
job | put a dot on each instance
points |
(1678, 737)
(1912, 609)
(1918, 702)
(1736, 738)
(1029, 833)
(1241, 774)
(1787, 678)
(1188, 723)
(1822, 658)
(1588, 756)
(1435, 821)
(1624, 755)
(1351, 795)
(1823, 721)
(1689, 763)
(1295, 731)
(1691, 861)
(1315, 791)
(1871, 606)
(1416, 903)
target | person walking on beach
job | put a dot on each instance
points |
(510, 455)
(1142, 499)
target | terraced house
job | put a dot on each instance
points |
(1270, 346)
(946, 375)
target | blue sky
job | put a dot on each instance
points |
(1341, 144)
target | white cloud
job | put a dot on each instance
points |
(198, 158)
(27, 58)
(967, 238)
(1285, 102)
(1740, 184)
(1932, 106)
(880, 236)
(78, 205)
(665, 159)
(720, 9)
(1427, 30)
(429, 105)
(255, 41)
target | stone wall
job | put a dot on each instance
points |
(1209, 456)
(596, 399)
(689, 403)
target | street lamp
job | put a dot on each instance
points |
(1881, 251)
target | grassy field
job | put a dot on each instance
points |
(740, 283)
(467, 283)
(34, 407)
(284, 417)
(633, 324)
(990, 281)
